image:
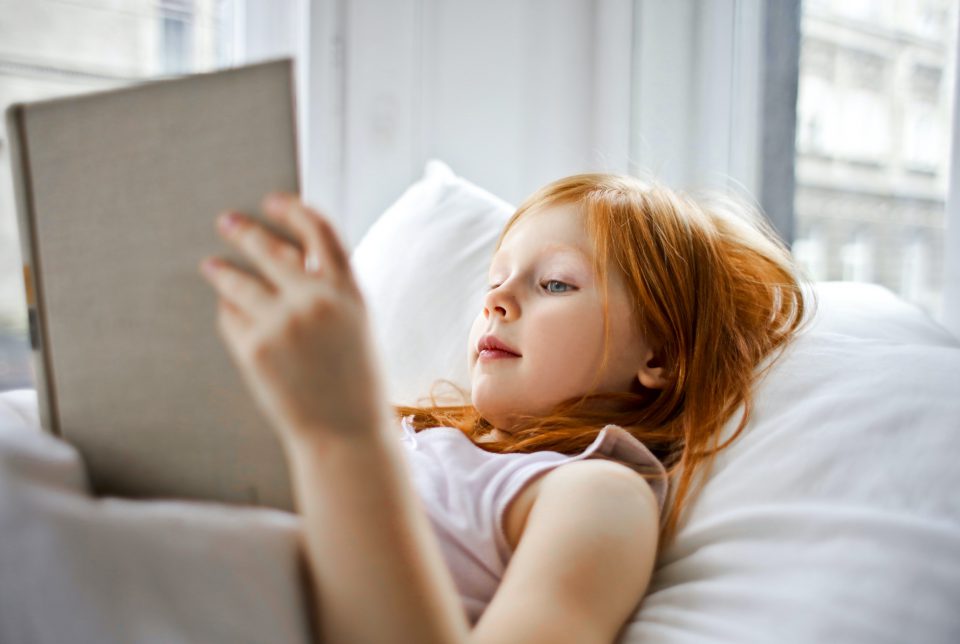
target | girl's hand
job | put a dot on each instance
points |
(299, 334)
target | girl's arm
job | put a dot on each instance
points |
(379, 574)
(300, 338)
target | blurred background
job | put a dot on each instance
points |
(835, 116)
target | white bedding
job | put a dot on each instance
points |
(75, 569)
(834, 518)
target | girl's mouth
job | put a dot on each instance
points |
(495, 354)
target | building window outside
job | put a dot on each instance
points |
(874, 112)
(915, 270)
(52, 48)
(857, 258)
(176, 27)
(809, 250)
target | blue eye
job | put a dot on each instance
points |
(547, 284)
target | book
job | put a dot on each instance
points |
(117, 193)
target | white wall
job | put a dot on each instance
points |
(511, 93)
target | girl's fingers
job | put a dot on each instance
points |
(235, 329)
(287, 210)
(232, 321)
(334, 246)
(278, 260)
(324, 252)
(243, 292)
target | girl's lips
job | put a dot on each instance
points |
(495, 354)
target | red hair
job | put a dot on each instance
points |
(714, 290)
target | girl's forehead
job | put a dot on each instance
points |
(558, 224)
(569, 253)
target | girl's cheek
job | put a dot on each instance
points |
(476, 328)
(472, 339)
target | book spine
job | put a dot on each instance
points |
(23, 198)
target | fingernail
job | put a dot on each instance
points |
(311, 264)
(229, 221)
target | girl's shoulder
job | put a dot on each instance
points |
(596, 475)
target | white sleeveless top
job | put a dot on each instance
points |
(465, 491)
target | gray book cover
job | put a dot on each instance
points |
(117, 193)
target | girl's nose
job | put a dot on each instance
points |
(500, 303)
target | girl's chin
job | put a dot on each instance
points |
(487, 411)
(497, 418)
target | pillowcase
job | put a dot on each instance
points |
(832, 517)
(422, 267)
(874, 312)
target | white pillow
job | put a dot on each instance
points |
(422, 267)
(833, 517)
(874, 312)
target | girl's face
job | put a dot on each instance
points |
(544, 303)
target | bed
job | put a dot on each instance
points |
(834, 517)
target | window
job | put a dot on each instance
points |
(872, 149)
(54, 48)
(809, 251)
(857, 258)
(176, 27)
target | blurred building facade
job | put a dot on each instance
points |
(873, 131)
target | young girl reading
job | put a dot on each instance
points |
(624, 325)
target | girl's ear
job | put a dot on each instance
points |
(651, 373)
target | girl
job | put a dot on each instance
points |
(623, 326)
